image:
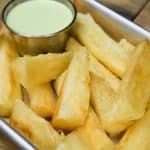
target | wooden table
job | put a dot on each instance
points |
(136, 10)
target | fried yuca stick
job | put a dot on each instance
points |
(105, 49)
(103, 97)
(34, 128)
(42, 99)
(73, 101)
(59, 82)
(89, 136)
(98, 69)
(95, 66)
(134, 91)
(40, 69)
(130, 102)
(9, 89)
(72, 142)
(137, 137)
(73, 45)
(92, 134)
(128, 47)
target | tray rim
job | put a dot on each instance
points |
(144, 32)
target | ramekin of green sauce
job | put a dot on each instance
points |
(39, 26)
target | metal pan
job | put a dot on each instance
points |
(117, 26)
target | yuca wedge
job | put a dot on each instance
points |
(99, 69)
(103, 97)
(92, 134)
(33, 70)
(34, 128)
(94, 65)
(73, 45)
(128, 47)
(59, 82)
(134, 91)
(42, 99)
(137, 137)
(119, 109)
(73, 102)
(89, 136)
(9, 89)
(105, 49)
(72, 142)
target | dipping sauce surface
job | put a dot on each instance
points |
(39, 17)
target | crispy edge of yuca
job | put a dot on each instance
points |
(103, 47)
(73, 102)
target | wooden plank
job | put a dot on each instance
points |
(127, 8)
(143, 18)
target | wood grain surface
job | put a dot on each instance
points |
(127, 8)
(143, 18)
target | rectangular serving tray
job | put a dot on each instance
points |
(114, 24)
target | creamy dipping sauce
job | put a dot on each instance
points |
(39, 17)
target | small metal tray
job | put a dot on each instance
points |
(114, 24)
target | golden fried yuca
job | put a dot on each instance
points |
(128, 47)
(119, 109)
(33, 127)
(42, 99)
(9, 89)
(72, 142)
(94, 65)
(73, 101)
(92, 134)
(40, 69)
(59, 82)
(92, 119)
(73, 45)
(134, 91)
(137, 137)
(105, 49)
(89, 136)
(99, 69)
(103, 97)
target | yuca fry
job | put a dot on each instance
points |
(59, 82)
(134, 91)
(98, 69)
(89, 136)
(73, 101)
(137, 137)
(34, 70)
(72, 142)
(94, 65)
(42, 99)
(129, 103)
(73, 45)
(9, 89)
(128, 47)
(103, 97)
(34, 128)
(92, 134)
(105, 49)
